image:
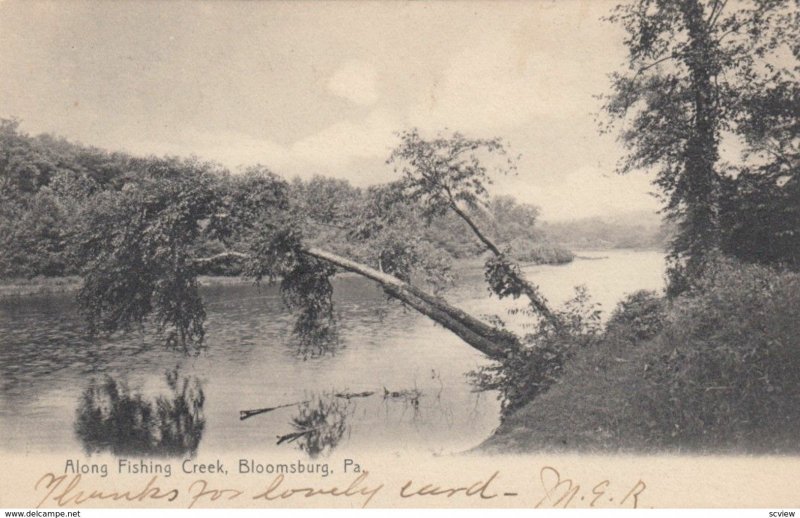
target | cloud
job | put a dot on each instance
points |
(355, 81)
(335, 150)
(336, 145)
(506, 82)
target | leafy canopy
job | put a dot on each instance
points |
(700, 73)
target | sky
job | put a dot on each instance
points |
(311, 88)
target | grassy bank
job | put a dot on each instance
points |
(715, 372)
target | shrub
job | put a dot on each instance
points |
(528, 251)
(727, 371)
(638, 317)
(531, 370)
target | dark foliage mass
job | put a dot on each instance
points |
(715, 371)
(638, 317)
(533, 368)
(147, 228)
(730, 366)
(700, 74)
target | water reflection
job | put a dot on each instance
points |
(321, 421)
(46, 362)
(408, 398)
(113, 418)
(320, 424)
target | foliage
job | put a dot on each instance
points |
(32, 238)
(506, 220)
(49, 183)
(501, 275)
(39, 197)
(760, 212)
(384, 231)
(691, 70)
(135, 248)
(307, 289)
(639, 229)
(328, 203)
(440, 172)
(638, 317)
(729, 360)
(760, 219)
(531, 370)
(44, 183)
(527, 251)
(449, 175)
(24, 164)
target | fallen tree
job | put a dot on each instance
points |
(142, 247)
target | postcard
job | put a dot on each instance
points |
(462, 254)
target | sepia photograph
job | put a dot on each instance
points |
(400, 254)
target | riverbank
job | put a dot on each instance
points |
(21, 287)
(592, 408)
(716, 372)
(13, 288)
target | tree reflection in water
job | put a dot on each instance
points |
(113, 418)
(320, 424)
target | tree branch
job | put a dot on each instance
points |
(493, 342)
(654, 63)
(777, 152)
(715, 14)
(530, 291)
(483, 239)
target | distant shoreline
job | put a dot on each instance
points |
(20, 287)
(15, 288)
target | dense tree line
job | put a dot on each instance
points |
(44, 183)
(48, 184)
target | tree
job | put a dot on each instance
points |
(141, 230)
(685, 90)
(760, 215)
(45, 182)
(447, 174)
(24, 166)
(140, 245)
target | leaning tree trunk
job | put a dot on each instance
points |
(489, 340)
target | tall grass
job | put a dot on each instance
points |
(715, 370)
(728, 370)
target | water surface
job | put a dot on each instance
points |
(62, 392)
